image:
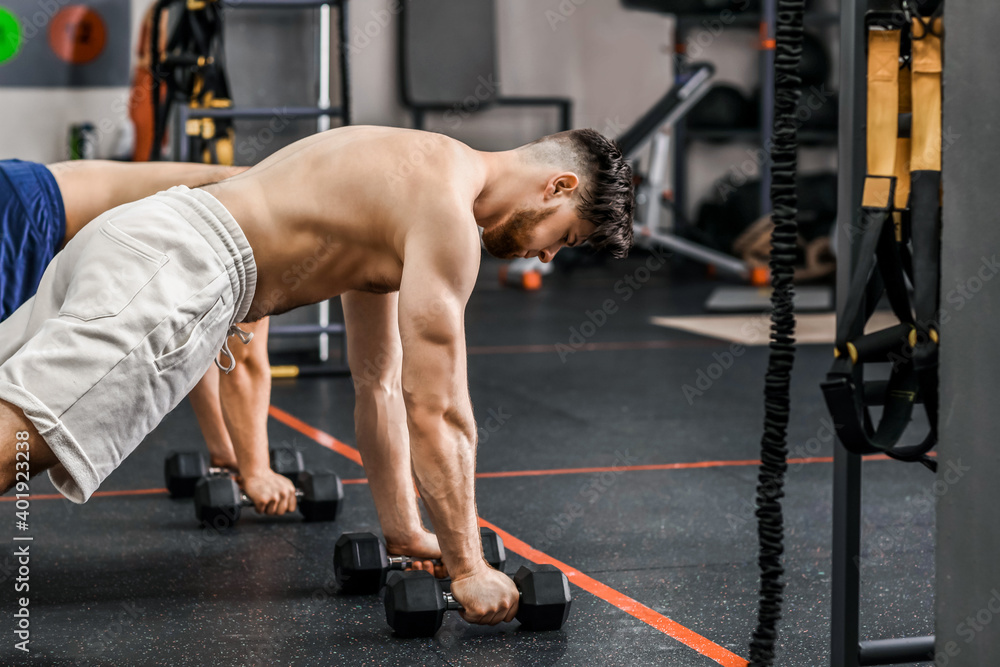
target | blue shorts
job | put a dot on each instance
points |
(32, 227)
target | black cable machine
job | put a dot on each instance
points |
(889, 230)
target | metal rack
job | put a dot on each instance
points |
(323, 112)
(649, 130)
(765, 22)
(847, 650)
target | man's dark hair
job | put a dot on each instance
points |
(606, 196)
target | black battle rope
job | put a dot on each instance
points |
(773, 444)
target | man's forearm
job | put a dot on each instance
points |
(444, 462)
(245, 394)
(207, 408)
(383, 440)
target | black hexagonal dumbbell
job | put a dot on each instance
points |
(218, 499)
(415, 602)
(361, 562)
(182, 470)
(287, 461)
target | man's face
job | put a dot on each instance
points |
(539, 232)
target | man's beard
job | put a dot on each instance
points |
(509, 238)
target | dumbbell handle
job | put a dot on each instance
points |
(450, 603)
(246, 502)
(403, 562)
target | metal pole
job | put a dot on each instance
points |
(896, 651)
(721, 261)
(967, 538)
(323, 100)
(767, 36)
(679, 170)
(305, 329)
(258, 112)
(323, 124)
(180, 140)
(659, 153)
(343, 24)
(845, 573)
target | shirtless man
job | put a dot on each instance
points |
(42, 207)
(131, 312)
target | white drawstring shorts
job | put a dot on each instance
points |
(126, 320)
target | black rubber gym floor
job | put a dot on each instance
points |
(130, 579)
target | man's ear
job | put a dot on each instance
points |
(564, 184)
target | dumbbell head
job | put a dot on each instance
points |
(182, 470)
(360, 563)
(322, 495)
(493, 549)
(217, 501)
(287, 461)
(414, 603)
(545, 597)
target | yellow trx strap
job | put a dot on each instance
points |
(882, 266)
(883, 116)
(926, 87)
(926, 92)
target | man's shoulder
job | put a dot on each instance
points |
(429, 157)
(444, 235)
(444, 223)
(437, 175)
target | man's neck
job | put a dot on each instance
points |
(507, 180)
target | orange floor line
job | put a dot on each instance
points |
(98, 494)
(652, 466)
(671, 628)
(503, 473)
(319, 436)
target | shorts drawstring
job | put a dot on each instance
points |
(245, 338)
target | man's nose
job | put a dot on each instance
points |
(546, 255)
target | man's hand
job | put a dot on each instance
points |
(423, 546)
(487, 596)
(230, 463)
(270, 492)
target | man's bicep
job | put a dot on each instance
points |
(432, 298)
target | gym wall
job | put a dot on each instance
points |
(613, 63)
(34, 122)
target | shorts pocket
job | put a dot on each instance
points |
(183, 343)
(110, 272)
